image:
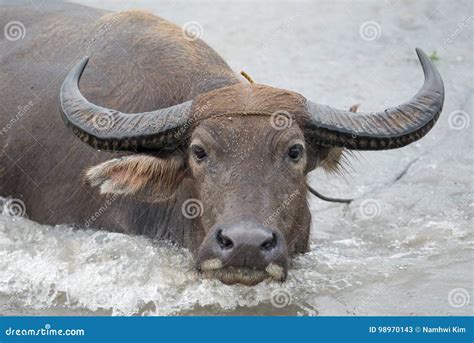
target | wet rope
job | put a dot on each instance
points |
(325, 198)
(247, 77)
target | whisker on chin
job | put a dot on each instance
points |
(214, 269)
(211, 264)
(275, 271)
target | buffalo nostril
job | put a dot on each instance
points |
(270, 243)
(223, 241)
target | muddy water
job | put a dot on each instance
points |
(404, 247)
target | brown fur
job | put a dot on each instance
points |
(249, 99)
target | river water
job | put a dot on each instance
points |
(404, 247)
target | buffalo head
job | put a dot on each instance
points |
(244, 152)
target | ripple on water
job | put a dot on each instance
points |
(63, 270)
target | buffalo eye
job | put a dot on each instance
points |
(295, 152)
(198, 152)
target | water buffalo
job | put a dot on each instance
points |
(203, 157)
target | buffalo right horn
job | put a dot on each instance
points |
(389, 129)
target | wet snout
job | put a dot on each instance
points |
(244, 252)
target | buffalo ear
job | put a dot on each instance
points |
(146, 177)
(330, 159)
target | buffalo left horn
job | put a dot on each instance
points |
(108, 129)
(389, 129)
